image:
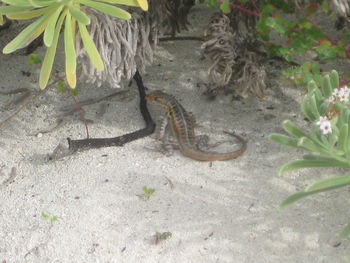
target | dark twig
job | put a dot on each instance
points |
(93, 143)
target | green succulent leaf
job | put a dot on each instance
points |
(17, 2)
(292, 129)
(329, 183)
(122, 2)
(7, 10)
(326, 86)
(317, 187)
(107, 9)
(50, 29)
(313, 107)
(284, 140)
(312, 145)
(305, 109)
(90, 47)
(225, 7)
(334, 78)
(46, 68)
(300, 164)
(30, 14)
(41, 3)
(80, 16)
(345, 232)
(69, 48)
(343, 138)
(23, 38)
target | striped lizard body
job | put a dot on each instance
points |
(183, 125)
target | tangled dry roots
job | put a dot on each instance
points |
(127, 45)
(124, 46)
(230, 57)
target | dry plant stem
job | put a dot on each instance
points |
(81, 113)
(69, 110)
(30, 101)
(245, 10)
(93, 143)
(25, 91)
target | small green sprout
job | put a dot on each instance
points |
(48, 217)
(158, 237)
(147, 192)
(34, 59)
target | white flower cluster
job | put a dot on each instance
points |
(341, 94)
(325, 125)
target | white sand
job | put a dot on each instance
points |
(226, 212)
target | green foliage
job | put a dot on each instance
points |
(34, 59)
(329, 150)
(50, 17)
(148, 192)
(158, 237)
(304, 74)
(48, 217)
(324, 104)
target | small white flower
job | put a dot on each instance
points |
(343, 94)
(332, 99)
(324, 124)
(321, 120)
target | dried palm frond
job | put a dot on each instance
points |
(252, 79)
(230, 57)
(220, 49)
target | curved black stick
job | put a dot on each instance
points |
(84, 144)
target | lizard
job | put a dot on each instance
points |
(183, 126)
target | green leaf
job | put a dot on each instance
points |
(343, 138)
(79, 15)
(329, 183)
(69, 49)
(312, 145)
(326, 86)
(225, 7)
(334, 79)
(30, 14)
(22, 38)
(50, 28)
(34, 59)
(41, 3)
(45, 216)
(5, 10)
(305, 109)
(292, 129)
(283, 139)
(122, 2)
(275, 23)
(107, 9)
(319, 186)
(313, 107)
(345, 232)
(300, 164)
(50, 55)
(17, 2)
(90, 47)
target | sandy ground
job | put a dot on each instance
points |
(87, 207)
